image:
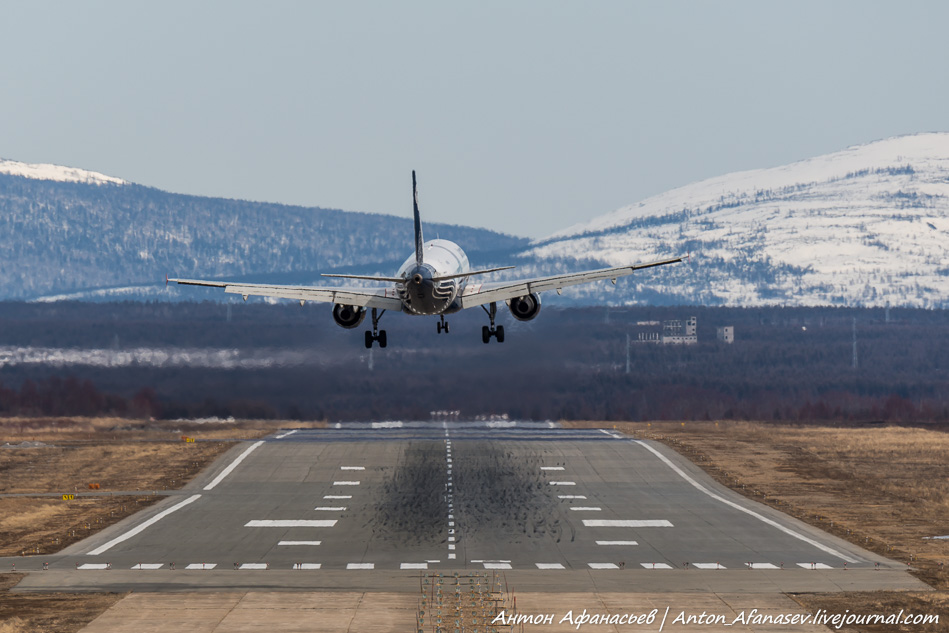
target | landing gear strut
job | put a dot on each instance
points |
(376, 334)
(442, 326)
(495, 331)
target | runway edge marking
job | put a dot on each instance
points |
(740, 508)
(234, 464)
(142, 526)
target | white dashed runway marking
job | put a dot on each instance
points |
(626, 523)
(814, 566)
(549, 566)
(413, 566)
(345, 483)
(330, 508)
(630, 543)
(552, 468)
(656, 565)
(307, 565)
(148, 566)
(571, 496)
(93, 566)
(762, 566)
(253, 566)
(202, 566)
(337, 496)
(352, 468)
(291, 523)
(497, 565)
(586, 509)
(603, 565)
(299, 542)
(361, 566)
(708, 566)
(563, 483)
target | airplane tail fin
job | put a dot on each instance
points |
(418, 223)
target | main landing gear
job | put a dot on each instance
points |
(487, 332)
(442, 326)
(376, 334)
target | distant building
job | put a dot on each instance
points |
(672, 332)
(725, 334)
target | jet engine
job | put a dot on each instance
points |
(525, 308)
(348, 316)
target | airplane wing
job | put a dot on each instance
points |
(384, 298)
(480, 294)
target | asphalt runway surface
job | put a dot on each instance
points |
(374, 506)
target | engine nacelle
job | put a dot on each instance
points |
(525, 308)
(348, 316)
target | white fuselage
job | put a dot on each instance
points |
(422, 292)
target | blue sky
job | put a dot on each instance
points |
(524, 117)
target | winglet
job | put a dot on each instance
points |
(418, 223)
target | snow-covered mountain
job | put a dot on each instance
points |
(865, 226)
(58, 173)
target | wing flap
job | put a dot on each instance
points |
(503, 291)
(384, 298)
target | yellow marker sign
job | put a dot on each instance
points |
(187, 439)
(68, 497)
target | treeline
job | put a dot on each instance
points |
(284, 361)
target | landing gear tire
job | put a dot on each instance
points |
(499, 334)
(485, 335)
(442, 326)
(375, 334)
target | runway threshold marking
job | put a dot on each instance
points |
(234, 464)
(142, 526)
(741, 508)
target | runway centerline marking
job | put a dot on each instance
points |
(234, 464)
(352, 468)
(552, 468)
(741, 508)
(330, 508)
(571, 496)
(142, 526)
(563, 483)
(299, 542)
(586, 509)
(337, 496)
(345, 483)
(617, 543)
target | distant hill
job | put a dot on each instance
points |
(865, 226)
(67, 231)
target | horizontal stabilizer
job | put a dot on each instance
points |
(394, 280)
(471, 273)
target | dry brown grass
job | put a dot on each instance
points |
(883, 488)
(48, 612)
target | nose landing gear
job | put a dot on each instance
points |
(376, 334)
(495, 331)
(442, 326)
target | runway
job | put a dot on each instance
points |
(371, 508)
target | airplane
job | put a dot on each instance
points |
(433, 281)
